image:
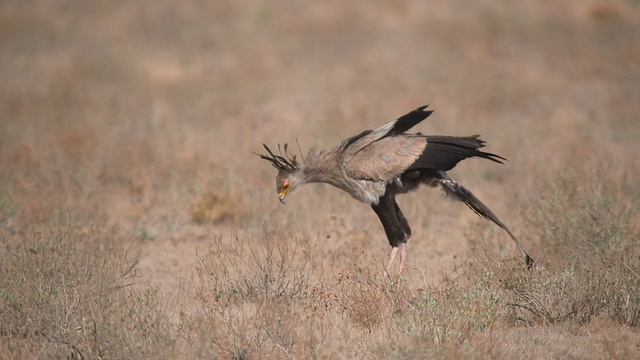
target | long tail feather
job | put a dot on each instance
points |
(456, 190)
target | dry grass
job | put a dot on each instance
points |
(590, 265)
(66, 292)
(136, 223)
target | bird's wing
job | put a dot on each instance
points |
(356, 143)
(385, 158)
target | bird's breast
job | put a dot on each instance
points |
(366, 191)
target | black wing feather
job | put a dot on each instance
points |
(445, 152)
(353, 139)
(409, 120)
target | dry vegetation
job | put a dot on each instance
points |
(136, 223)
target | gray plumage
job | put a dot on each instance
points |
(376, 165)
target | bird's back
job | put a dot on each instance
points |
(388, 151)
(353, 145)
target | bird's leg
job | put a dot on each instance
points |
(395, 226)
(392, 255)
(407, 234)
(403, 256)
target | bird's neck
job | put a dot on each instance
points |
(322, 166)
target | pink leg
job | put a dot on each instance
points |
(392, 255)
(403, 256)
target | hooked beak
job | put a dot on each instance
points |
(283, 195)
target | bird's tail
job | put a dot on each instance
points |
(457, 191)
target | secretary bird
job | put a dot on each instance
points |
(376, 165)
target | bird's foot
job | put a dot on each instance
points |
(392, 255)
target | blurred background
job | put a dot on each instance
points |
(143, 116)
(155, 103)
(146, 115)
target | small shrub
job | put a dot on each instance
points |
(365, 297)
(65, 293)
(591, 263)
(254, 293)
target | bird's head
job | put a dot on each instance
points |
(286, 181)
(289, 172)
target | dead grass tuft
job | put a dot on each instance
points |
(213, 207)
(255, 266)
(453, 313)
(605, 12)
(365, 297)
(255, 294)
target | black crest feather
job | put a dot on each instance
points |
(284, 161)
